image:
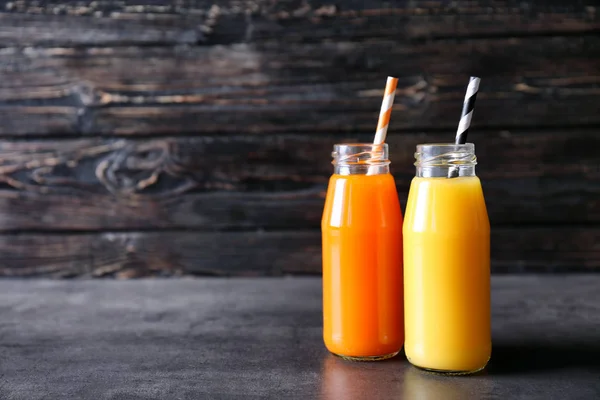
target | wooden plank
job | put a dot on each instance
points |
(137, 254)
(277, 88)
(30, 22)
(548, 249)
(272, 181)
(47, 30)
(318, 20)
(46, 120)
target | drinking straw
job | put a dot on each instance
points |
(465, 117)
(384, 115)
(386, 110)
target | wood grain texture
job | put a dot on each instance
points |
(30, 22)
(70, 30)
(147, 138)
(167, 253)
(273, 181)
(278, 88)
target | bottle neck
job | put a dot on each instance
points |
(444, 171)
(374, 169)
(360, 159)
(445, 160)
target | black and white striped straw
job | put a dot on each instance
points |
(467, 111)
(465, 118)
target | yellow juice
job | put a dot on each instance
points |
(447, 275)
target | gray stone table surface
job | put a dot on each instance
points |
(261, 338)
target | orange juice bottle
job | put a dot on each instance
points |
(447, 263)
(362, 256)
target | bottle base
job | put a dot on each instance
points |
(367, 358)
(450, 372)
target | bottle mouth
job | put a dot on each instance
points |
(445, 155)
(360, 154)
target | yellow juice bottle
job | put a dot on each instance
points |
(446, 235)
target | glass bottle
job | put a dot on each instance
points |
(446, 237)
(362, 256)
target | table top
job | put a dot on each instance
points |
(261, 338)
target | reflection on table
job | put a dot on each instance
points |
(396, 379)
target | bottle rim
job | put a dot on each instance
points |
(360, 154)
(445, 155)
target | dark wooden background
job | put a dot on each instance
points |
(194, 137)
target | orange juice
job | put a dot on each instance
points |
(447, 269)
(362, 264)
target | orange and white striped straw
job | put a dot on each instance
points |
(386, 110)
